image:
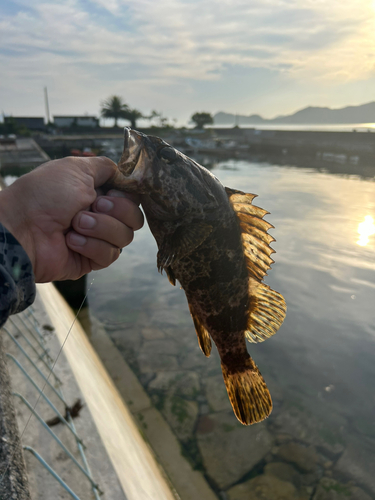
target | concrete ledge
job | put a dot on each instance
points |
(189, 483)
(137, 471)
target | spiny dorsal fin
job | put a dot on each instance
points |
(255, 240)
(204, 338)
(267, 307)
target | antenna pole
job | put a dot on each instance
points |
(46, 104)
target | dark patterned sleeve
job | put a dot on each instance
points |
(17, 283)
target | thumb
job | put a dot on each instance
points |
(100, 168)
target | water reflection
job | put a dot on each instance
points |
(319, 367)
(365, 230)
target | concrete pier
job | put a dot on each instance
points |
(17, 156)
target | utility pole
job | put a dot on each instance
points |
(46, 104)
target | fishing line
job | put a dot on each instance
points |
(49, 374)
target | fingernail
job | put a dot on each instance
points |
(104, 205)
(77, 239)
(86, 221)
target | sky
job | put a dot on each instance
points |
(268, 57)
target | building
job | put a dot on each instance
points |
(30, 122)
(75, 121)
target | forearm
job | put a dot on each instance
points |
(17, 284)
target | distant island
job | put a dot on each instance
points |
(364, 113)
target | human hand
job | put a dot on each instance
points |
(64, 225)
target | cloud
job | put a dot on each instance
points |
(176, 42)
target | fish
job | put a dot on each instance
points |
(215, 243)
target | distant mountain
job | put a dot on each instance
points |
(307, 116)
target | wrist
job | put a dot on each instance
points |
(14, 218)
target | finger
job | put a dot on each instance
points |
(103, 227)
(121, 209)
(135, 198)
(100, 252)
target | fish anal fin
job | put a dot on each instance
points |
(248, 393)
(267, 312)
(182, 242)
(204, 338)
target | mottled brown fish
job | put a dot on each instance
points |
(214, 241)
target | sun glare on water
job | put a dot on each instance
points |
(365, 230)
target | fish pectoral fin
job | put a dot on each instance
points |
(267, 312)
(204, 338)
(182, 242)
(248, 392)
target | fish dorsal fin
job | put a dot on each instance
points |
(267, 308)
(204, 338)
(255, 240)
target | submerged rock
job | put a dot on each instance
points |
(152, 333)
(327, 434)
(216, 393)
(283, 471)
(305, 459)
(329, 489)
(158, 355)
(229, 449)
(181, 415)
(182, 383)
(358, 463)
(265, 487)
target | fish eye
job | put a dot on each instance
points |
(169, 154)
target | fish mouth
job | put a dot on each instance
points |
(133, 143)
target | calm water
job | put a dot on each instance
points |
(320, 366)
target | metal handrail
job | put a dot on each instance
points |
(32, 328)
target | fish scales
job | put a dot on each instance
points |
(214, 241)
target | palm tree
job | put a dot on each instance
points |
(133, 115)
(114, 107)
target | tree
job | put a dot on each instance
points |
(114, 107)
(132, 115)
(162, 121)
(202, 119)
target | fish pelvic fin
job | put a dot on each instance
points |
(170, 275)
(267, 312)
(204, 338)
(248, 393)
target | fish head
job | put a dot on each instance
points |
(171, 185)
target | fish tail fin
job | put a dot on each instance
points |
(248, 392)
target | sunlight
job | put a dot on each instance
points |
(365, 230)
